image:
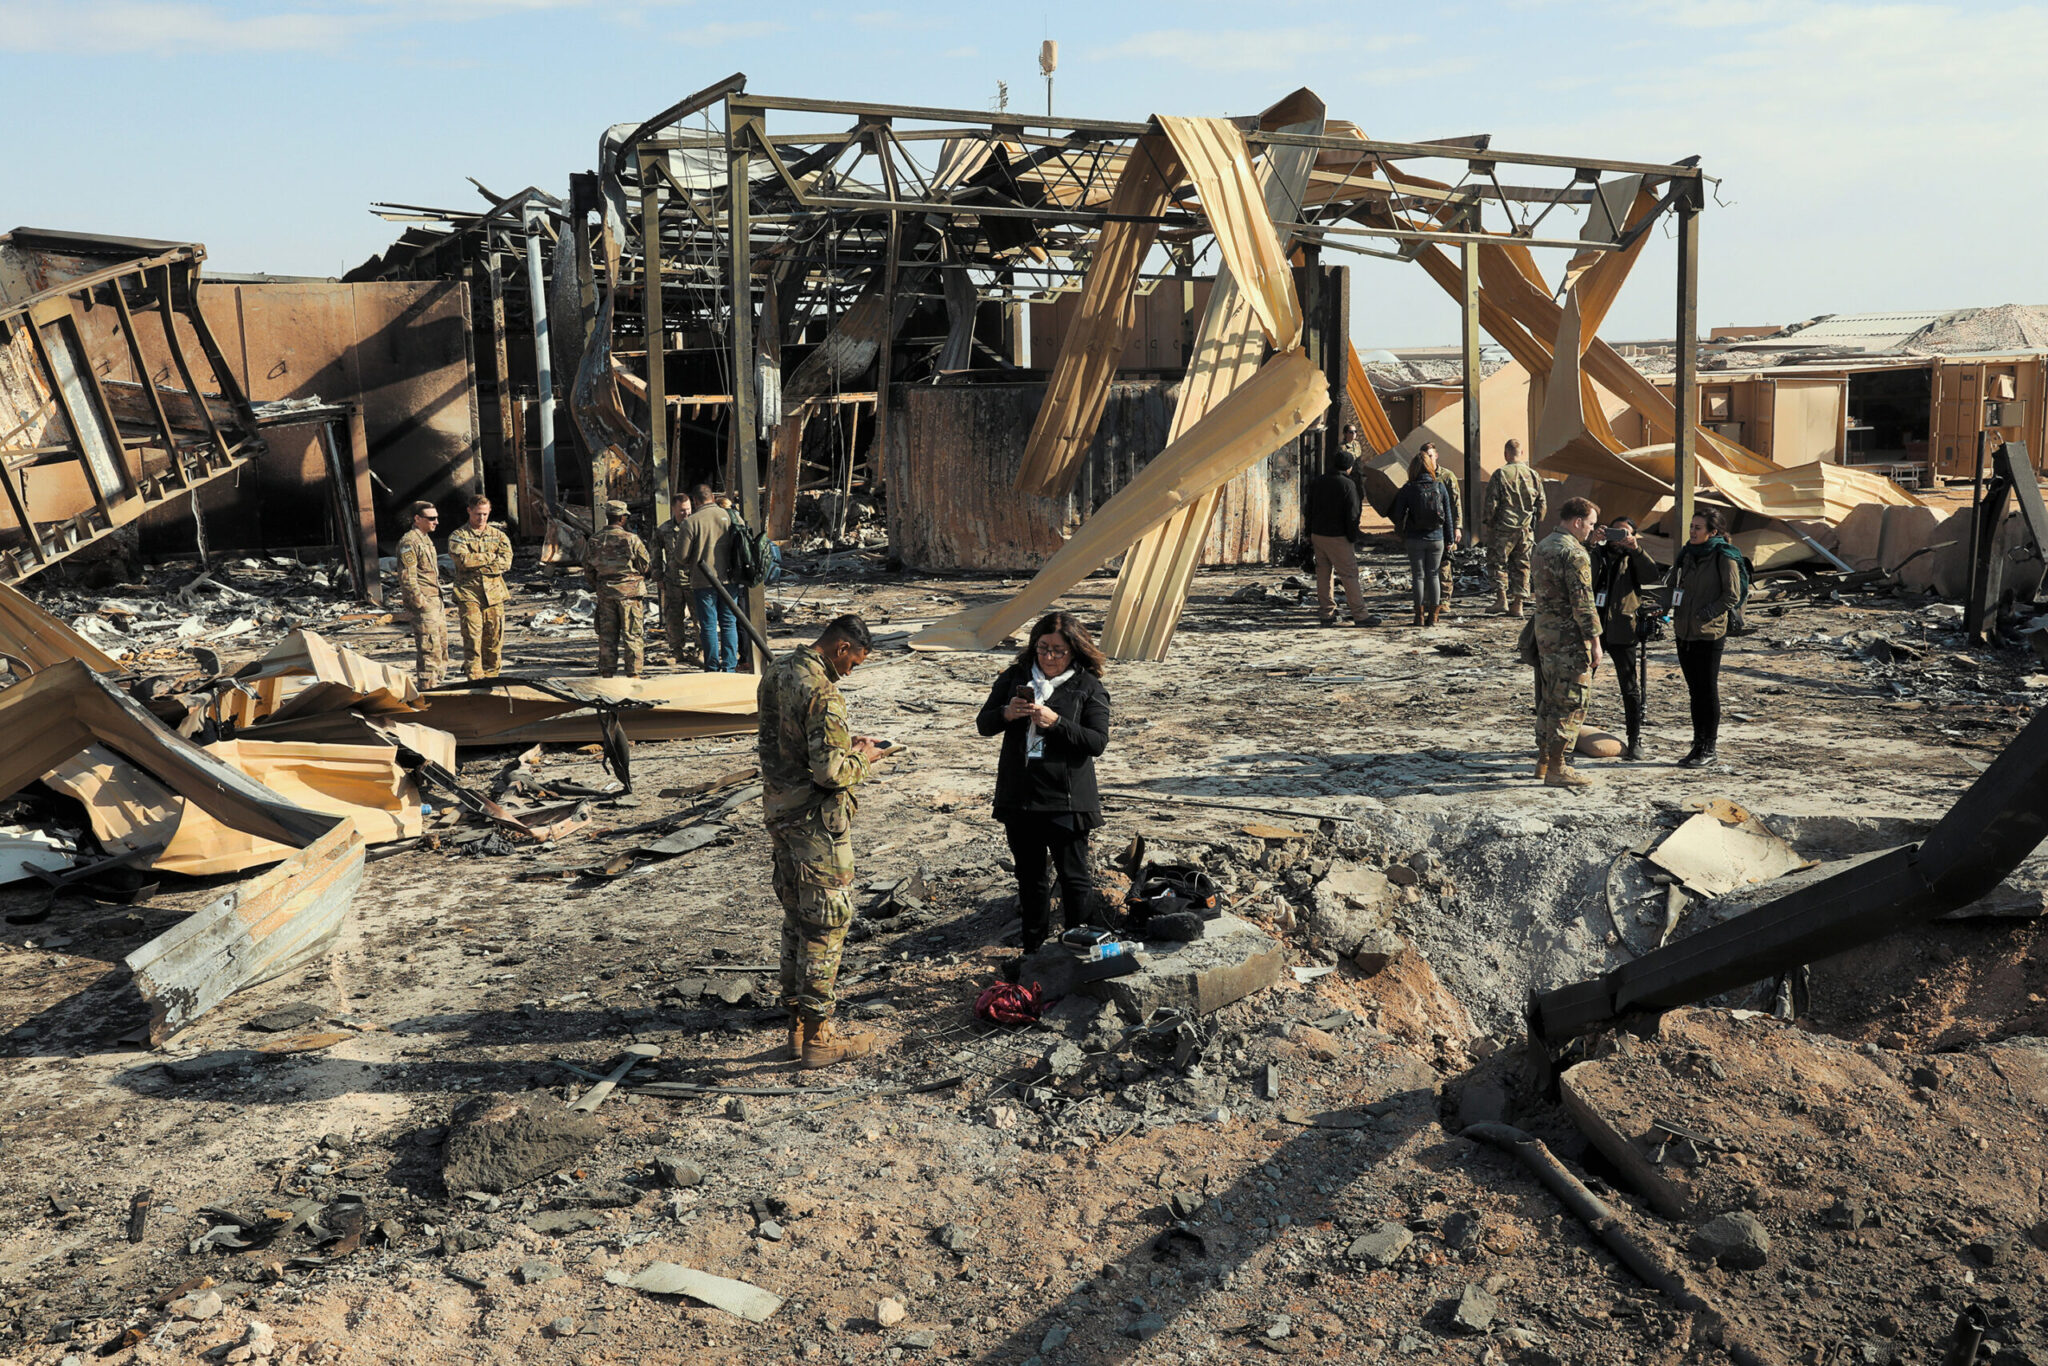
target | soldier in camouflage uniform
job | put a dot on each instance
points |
(1515, 507)
(1449, 480)
(482, 553)
(810, 766)
(616, 563)
(419, 583)
(1567, 632)
(1355, 456)
(672, 569)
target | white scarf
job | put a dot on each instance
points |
(1041, 689)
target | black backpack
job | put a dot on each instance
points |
(1426, 510)
(755, 558)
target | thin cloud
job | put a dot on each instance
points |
(1281, 49)
(731, 33)
(133, 26)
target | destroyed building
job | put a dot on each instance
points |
(343, 1019)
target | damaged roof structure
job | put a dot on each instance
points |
(797, 239)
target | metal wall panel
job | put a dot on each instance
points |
(954, 452)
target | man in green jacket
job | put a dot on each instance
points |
(1567, 631)
(811, 763)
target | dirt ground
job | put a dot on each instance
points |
(945, 1199)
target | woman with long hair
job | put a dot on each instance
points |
(1427, 518)
(1706, 587)
(1053, 713)
(1622, 577)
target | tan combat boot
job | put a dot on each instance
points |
(1562, 774)
(798, 1031)
(827, 1044)
(1515, 608)
(1542, 763)
(1500, 602)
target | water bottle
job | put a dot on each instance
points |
(1113, 949)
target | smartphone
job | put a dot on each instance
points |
(1025, 694)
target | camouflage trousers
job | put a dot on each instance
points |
(676, 627)
(813, 881)
(621, 623)
(430, 641)
(1507, 559)
(1564, 680)
(483, 636)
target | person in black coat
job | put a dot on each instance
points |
(1053, 713)
(1622, 579)
(1427, 517)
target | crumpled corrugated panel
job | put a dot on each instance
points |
(38, 640)
(1152, 585)
(1219, 161)
(1079, 386)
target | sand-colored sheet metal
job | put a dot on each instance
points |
(671, 707)
(305, 674)
(1240, 212)
(1080, 376)
(1375, 428)
(1280, 402)
(67, 707)
(1152, 585)
(264, 927)
(129, 810)
(38, 640)
(267, 926)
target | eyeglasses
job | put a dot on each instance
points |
(1054, 648)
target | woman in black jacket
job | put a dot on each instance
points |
(1622, 577)
(1706, 588)
(1053, 713)
(1427, 517)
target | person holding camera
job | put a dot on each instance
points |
(1622, 574)
(1053, 713)
(1706, 587)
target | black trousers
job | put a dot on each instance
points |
(1623, 659)
(1700, 662)
(1043, 849)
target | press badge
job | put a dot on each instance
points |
(1600, 598)
(1678, 597)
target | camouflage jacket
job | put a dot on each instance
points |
(1514, 499)
(806, 750)
(1561, 574)
(669, 557)
(419, 568)
(481, 559)
(616, 560)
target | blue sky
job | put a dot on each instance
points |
(1872, 156)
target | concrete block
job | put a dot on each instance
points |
(1233, 959)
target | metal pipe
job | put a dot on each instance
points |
(536, 289)
(1614, 1235)
(1974, 627)
(1685, 382)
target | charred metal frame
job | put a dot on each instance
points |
(159, 279)
(803, 221)
(2012, 477)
